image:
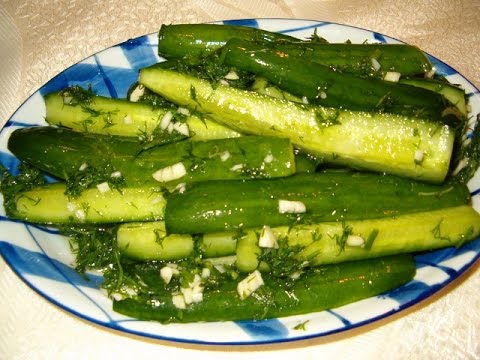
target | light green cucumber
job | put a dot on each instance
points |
(389, 143)
(48, 204)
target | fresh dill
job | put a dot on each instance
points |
(12, 186)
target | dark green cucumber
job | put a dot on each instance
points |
(180, 40)
(328, 196)
(396, 144)
(336, 242)
(318, 289)
(48, 204)
(63, 152)
(185, 40)
(360, 59)
(321, 85)
(104, 115)
(453, 93)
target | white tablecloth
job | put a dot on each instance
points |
(38, 39)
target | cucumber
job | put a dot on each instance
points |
(359, 59)
(318, 289)
(390, 143)
(454, 94)
(121, 117)
(180, 40)
(322, 85)
(330, 195)
(336, 242)
(194, 40)
(48, 204)
(63, 152)
(145, 241)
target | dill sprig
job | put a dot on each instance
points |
(11, 186)
(92, 176)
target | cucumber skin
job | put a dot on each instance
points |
(348, 138)
(328, 196)
(322, 288)
(49, 205)
(179, 40)
(301, 77)
(61, 152)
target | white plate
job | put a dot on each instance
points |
(42, 258)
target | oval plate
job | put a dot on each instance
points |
(43, 260)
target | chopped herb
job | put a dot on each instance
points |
(301, 326)
(11, 186)
(371, 238)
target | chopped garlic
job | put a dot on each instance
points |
(181, 188)
(236, 167)
(419, 155)
(166, 119)
(83, 167)
(392, 76)
(137, 93)
(205, 273)
(80, 214)
(181, 128)
(103, 187)
(116, 175)
(179, 301)
(224, 82)
(430, 73)
(127, 120)
(225, 155)
(267, 238)
(232, 75)
(169, 173)
(166, 274)
(268, 159)
(250, 284)
(305, 100)
(322, 95)
(375, 64)
(355, 241)
(461, 165)
(291, 207)
(183, 110)
(71, 207)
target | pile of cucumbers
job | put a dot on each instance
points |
(253, 175)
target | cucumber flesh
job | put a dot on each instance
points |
(126, 118)
(335, 242)
(146, 241)
(49, 205)
(373, 141)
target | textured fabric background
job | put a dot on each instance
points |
(38, 39)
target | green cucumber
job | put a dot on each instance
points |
(180, 40)
(323, 86)
(193, 40)
(121, 117)
(48, 204)
(335, 242)
(454, 94)
(390, 143)
(149, 241)
(63, 153)
(217, 206)
(318, 289)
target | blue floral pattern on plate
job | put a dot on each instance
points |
(43, 260)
